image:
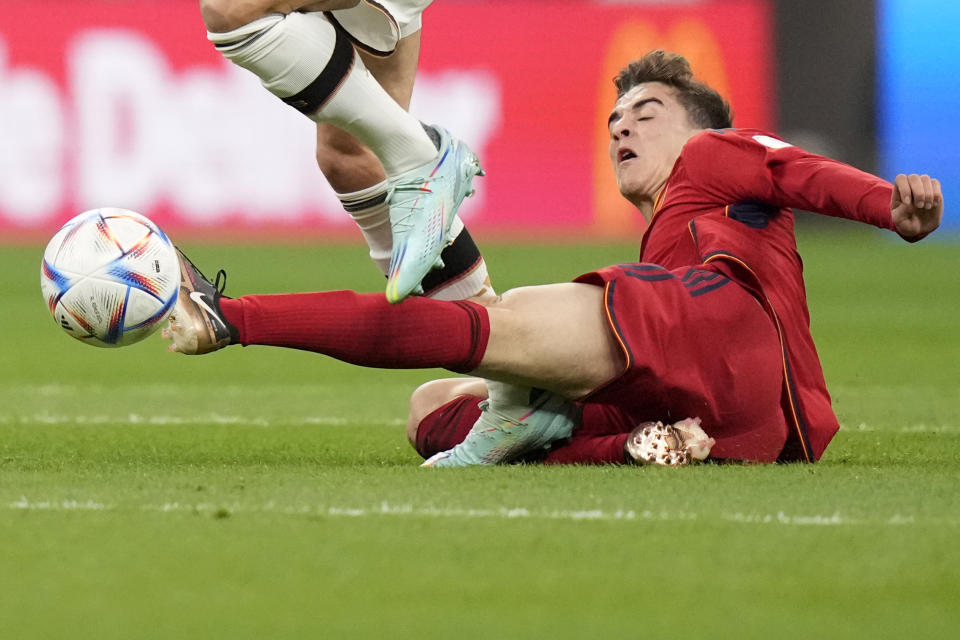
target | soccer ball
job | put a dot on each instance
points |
(110, 277)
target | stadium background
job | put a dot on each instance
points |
(126, 104)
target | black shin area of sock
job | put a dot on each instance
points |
(458, 259)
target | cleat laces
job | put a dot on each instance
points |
(220, 281)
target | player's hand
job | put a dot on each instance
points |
(916, 205)
(675, 445)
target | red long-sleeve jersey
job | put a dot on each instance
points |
(729, 199)
(728, 202)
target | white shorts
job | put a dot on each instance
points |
(377, 25)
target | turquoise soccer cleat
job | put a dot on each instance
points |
(423, 204)
(496, 438)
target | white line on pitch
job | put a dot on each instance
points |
(260, 421)
(515, 513)
(910, 428)
(210, 418)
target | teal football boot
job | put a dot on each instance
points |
(497, 438)
(423, 204)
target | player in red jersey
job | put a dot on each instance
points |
(711, 323)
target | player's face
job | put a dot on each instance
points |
(648, 128)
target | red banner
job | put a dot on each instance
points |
(127, 104)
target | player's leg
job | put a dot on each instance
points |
(443, 412)
(348, 164)
(353, 170)
(445, 415)
(311, 65)
(552, 337)
(551, 344)
(307, 62)
(438, 422)
(532, 378)
(357, 176)
(548, 344)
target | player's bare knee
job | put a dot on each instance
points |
(424, 400)
(221, 16)
(422, 404)
(412, 426)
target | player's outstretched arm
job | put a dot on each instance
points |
(916, 205)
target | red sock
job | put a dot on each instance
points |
(365, 329)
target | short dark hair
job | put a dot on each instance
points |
(705, 107)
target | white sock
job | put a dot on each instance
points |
(471, 284)
(368, 208)
(508, 399)
(304, 60)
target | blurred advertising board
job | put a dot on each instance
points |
(918, 55)
(127, 104)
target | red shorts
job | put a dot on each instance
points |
(696, 344)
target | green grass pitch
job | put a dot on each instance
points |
(264, 493)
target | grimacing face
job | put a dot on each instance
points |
(648, 128)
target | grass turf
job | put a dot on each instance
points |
(268, 493)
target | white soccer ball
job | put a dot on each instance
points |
(110, 277)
